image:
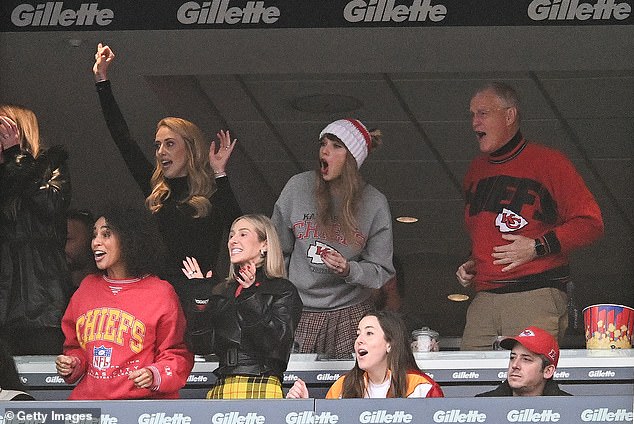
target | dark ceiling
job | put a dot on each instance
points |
(276, 89)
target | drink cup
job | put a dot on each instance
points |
(425, 340)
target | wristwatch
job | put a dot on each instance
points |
(540, 249)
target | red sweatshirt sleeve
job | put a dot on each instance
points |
(71, 344)
(173, 362)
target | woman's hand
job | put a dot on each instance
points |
(335, 261)
(192, 269)
(246, 276)
(143, 378)
(65, 365)
(298, 391)
(9, 133)
(103, 57)
(219, 159)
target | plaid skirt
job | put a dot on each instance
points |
(246, 387)
(331, 332)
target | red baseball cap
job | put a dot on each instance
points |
(537, 341)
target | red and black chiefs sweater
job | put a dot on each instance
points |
(533, 191)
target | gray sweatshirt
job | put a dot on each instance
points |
(369, 255)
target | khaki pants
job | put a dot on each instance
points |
(491, 315)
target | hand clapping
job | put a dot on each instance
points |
(191, 269)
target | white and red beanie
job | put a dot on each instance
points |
(354, 135)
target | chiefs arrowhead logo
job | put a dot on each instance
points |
(508, 221)
(315, 251)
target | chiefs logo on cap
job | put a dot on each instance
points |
(527, 333)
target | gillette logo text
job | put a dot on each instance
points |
(568, 10)
(54, 14)
(219, 12)
(387, 11)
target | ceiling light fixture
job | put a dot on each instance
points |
(458, 297)
(407, 219)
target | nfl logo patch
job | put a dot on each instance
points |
(101, 357)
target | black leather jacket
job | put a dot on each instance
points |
(251, 334)
(34, 281)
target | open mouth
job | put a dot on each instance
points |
(166, 163)
(324, 166)
(235, 250)
(362, 352)
(480, 134)
(99, 254)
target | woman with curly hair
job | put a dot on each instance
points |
(124, 326)
(35, 284)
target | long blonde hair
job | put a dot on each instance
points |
(27, 125)
(199, 172)
(273, 259)
(350, 187)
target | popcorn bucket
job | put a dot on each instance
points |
(608, 326)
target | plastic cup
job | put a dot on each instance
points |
(425, 340)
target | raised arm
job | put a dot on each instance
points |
(218, 158)
(138, 164)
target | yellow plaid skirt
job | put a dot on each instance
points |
(246, 387)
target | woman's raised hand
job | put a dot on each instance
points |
(191, 269)
(9, 133)
(103, 57)
(218, 159)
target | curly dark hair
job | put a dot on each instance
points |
(142, 248)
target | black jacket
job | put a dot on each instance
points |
(253, 333)
(551, 389)
(34, 281)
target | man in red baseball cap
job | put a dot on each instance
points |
(532, 364)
